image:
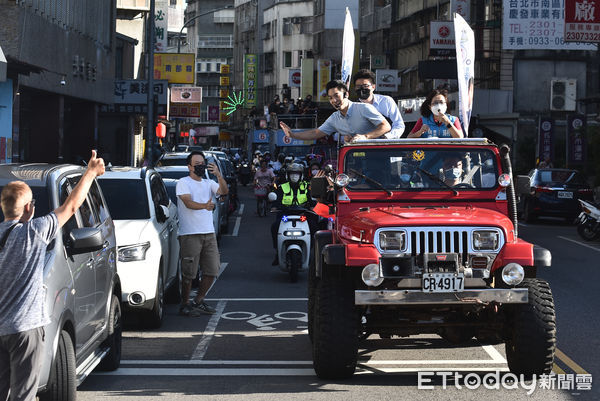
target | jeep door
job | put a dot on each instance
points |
(163, 225)
(105, 258)
(82, 269)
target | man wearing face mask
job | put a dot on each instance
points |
(354, 121)
(435, 123)
(364, 82)
(197, 240)
(294, 192)
(452, 169)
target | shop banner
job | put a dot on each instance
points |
(546, 139)
(386, 80)
(324, 76)
(184, 110)
(161, 25)
(576, 124)
(283, 140)
(307, 79)
(582, 21)
(462, 8)
(261, 136)
(441, 39)
(465, 69)
(250, 84)
(177, 68)
(537, 25)
(213, 113)
(186, 94)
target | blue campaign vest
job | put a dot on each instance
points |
(435, 130)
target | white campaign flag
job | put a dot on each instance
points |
(347, 49)
(465, 68)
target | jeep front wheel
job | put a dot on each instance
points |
(335, 326)
(532, 338)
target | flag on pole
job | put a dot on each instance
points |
(347, 49)
(465, 68)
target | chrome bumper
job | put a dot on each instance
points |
(418, 297)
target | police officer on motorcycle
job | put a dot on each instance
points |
(293, 192)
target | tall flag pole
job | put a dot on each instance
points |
(465, 68)
(347, 49)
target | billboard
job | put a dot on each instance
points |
(307, 79)
(177, 68)
(324, 76)
(535, 25)
(161, 25)
(582, 21)
(441, 38)
(186, 94)
(387, 80)
(184, 110)
(250, 84)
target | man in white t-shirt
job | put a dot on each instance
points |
(197, 240)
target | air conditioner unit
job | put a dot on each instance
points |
(563, 94)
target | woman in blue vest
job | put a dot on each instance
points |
(435, 123)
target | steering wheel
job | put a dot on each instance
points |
(464, 185)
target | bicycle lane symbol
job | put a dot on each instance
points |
(266, 322)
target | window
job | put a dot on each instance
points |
(173, 2)
(159, 193)
(131, 204)
(97, 203)
(287, 59)
(87, 216)
(208, 67)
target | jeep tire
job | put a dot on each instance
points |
(312, 293)
(531, 339)
(335, 326)
(61, 383)
(112, 360)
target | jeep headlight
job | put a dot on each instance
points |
(130, 253)
(392, 240)
(486, 240)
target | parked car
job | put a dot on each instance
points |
(552, 192)
(83, 287)
(172, 173)
(146, 224)
(230, 176)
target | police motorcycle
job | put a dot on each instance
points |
(293, 234)
(588, 222)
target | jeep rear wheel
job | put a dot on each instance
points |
(532, 338)
(336, 323)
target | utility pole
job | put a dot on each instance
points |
(150, 90)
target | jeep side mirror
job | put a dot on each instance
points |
(86, 239)
(523, 184)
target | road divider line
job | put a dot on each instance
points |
(256, 299)
(209, 332)
(580, 243)
(256, 362)
(241, 209)
(569, 362)
(236, 228)
(494, 354)
(221, 270)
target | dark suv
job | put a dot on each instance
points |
(82, 286)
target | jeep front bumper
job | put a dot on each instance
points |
(418, 297)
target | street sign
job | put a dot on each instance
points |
(378, 61)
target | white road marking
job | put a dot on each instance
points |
(209, 332)
(236, 228)
(580, 243)
(493, 352)
(274, 372)
(256, 299)
(256, 362)
(523, 224)
(241, 209)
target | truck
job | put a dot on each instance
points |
(425, 241)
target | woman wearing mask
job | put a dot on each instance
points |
(435, 123)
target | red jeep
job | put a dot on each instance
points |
(425, 241)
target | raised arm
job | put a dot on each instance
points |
(314, 133)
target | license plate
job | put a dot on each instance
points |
(565, 195)
(443, 282)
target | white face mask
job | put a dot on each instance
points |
(294, 178)
(439, 109)
(314, 172)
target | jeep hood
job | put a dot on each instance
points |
(130, 232)
(351, 225)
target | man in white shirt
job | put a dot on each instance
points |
(197, 240)
(364, 82)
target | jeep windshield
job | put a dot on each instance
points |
(416, 169)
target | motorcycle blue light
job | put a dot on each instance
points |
(284, 219)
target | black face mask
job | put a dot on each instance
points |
(363, 93)
(199, 170)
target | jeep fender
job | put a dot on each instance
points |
(523, 253)
(321, 239)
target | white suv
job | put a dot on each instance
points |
(146, 226)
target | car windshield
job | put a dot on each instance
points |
(42, 203)
(421, 169)
(174, 174)
(127, 199)
(560, 177)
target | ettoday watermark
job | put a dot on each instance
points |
(501, 380)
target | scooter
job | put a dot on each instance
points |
(588, 222)
(293, 240)
(244, 173)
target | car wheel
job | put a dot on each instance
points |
(157, 312)
(173, 295)
(532, 337)
(62, 384)
(112, 360)
(336, 323)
